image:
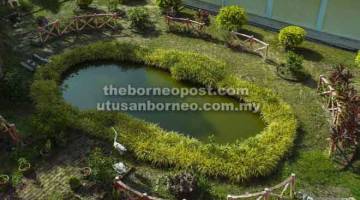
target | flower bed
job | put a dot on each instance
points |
(256, 156)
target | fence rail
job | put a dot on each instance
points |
(252, 43)
(78, 23)
(327, 90)
(286, 185)
(199, 26)
(132, 193)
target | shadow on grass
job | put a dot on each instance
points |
(149, 31)
(252, 33)
(309, 54)
(192, 33)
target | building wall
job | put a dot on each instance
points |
(300, 12)
(257, 7)
(338, 20)
(343, 18)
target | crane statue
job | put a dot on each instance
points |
(117, 145)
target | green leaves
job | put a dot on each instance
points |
(357, 59)
(291, 36)
(139, 18)
(231, 18)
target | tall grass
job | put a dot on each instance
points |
(257, 156)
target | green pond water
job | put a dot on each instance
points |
(84, 89)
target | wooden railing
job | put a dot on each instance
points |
(287, 191)
(78, 23)
(327, 90)
(131, 193)
(251, 43)
(10, 129)
(190, 24)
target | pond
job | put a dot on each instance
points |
(85, 90)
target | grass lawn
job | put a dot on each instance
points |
(316, 173)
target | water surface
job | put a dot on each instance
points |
(84, 89)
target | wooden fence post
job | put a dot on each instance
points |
(292, 185)
(267, 194)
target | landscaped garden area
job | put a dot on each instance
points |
(56, 142)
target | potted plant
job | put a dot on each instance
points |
(24, 165)
(4, 179)
(86, 171)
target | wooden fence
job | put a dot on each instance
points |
(132, 194)
(190, 24)
(252, 43)
(333, 105)
(287, 190)
(78, 23)
(328, 91)
(9, 129)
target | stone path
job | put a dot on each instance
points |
(53, 176)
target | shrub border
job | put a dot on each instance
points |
(254, 157)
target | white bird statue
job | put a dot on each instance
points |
(117, 145)
(120, 168)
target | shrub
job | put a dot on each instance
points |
(295, 63)
(101, 167)
(231, 18)
(260, 155)
(83, 3)
(168, 5)
(139, 18)
(112, 5)
(16, 178)
(189, 66)
(357, 59)
(75, 184)
(183, 185)
(291, 36)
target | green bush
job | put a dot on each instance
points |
(291, 36)
(16, 178)
(139, 18)
(295, 63)
(113, 5)
(231, 18)
(83, 3)
(357, 59)
(167, 5)
(101, 167)
(260, 155)
(75, 184)
(190, 67)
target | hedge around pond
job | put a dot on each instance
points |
(254, 157)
